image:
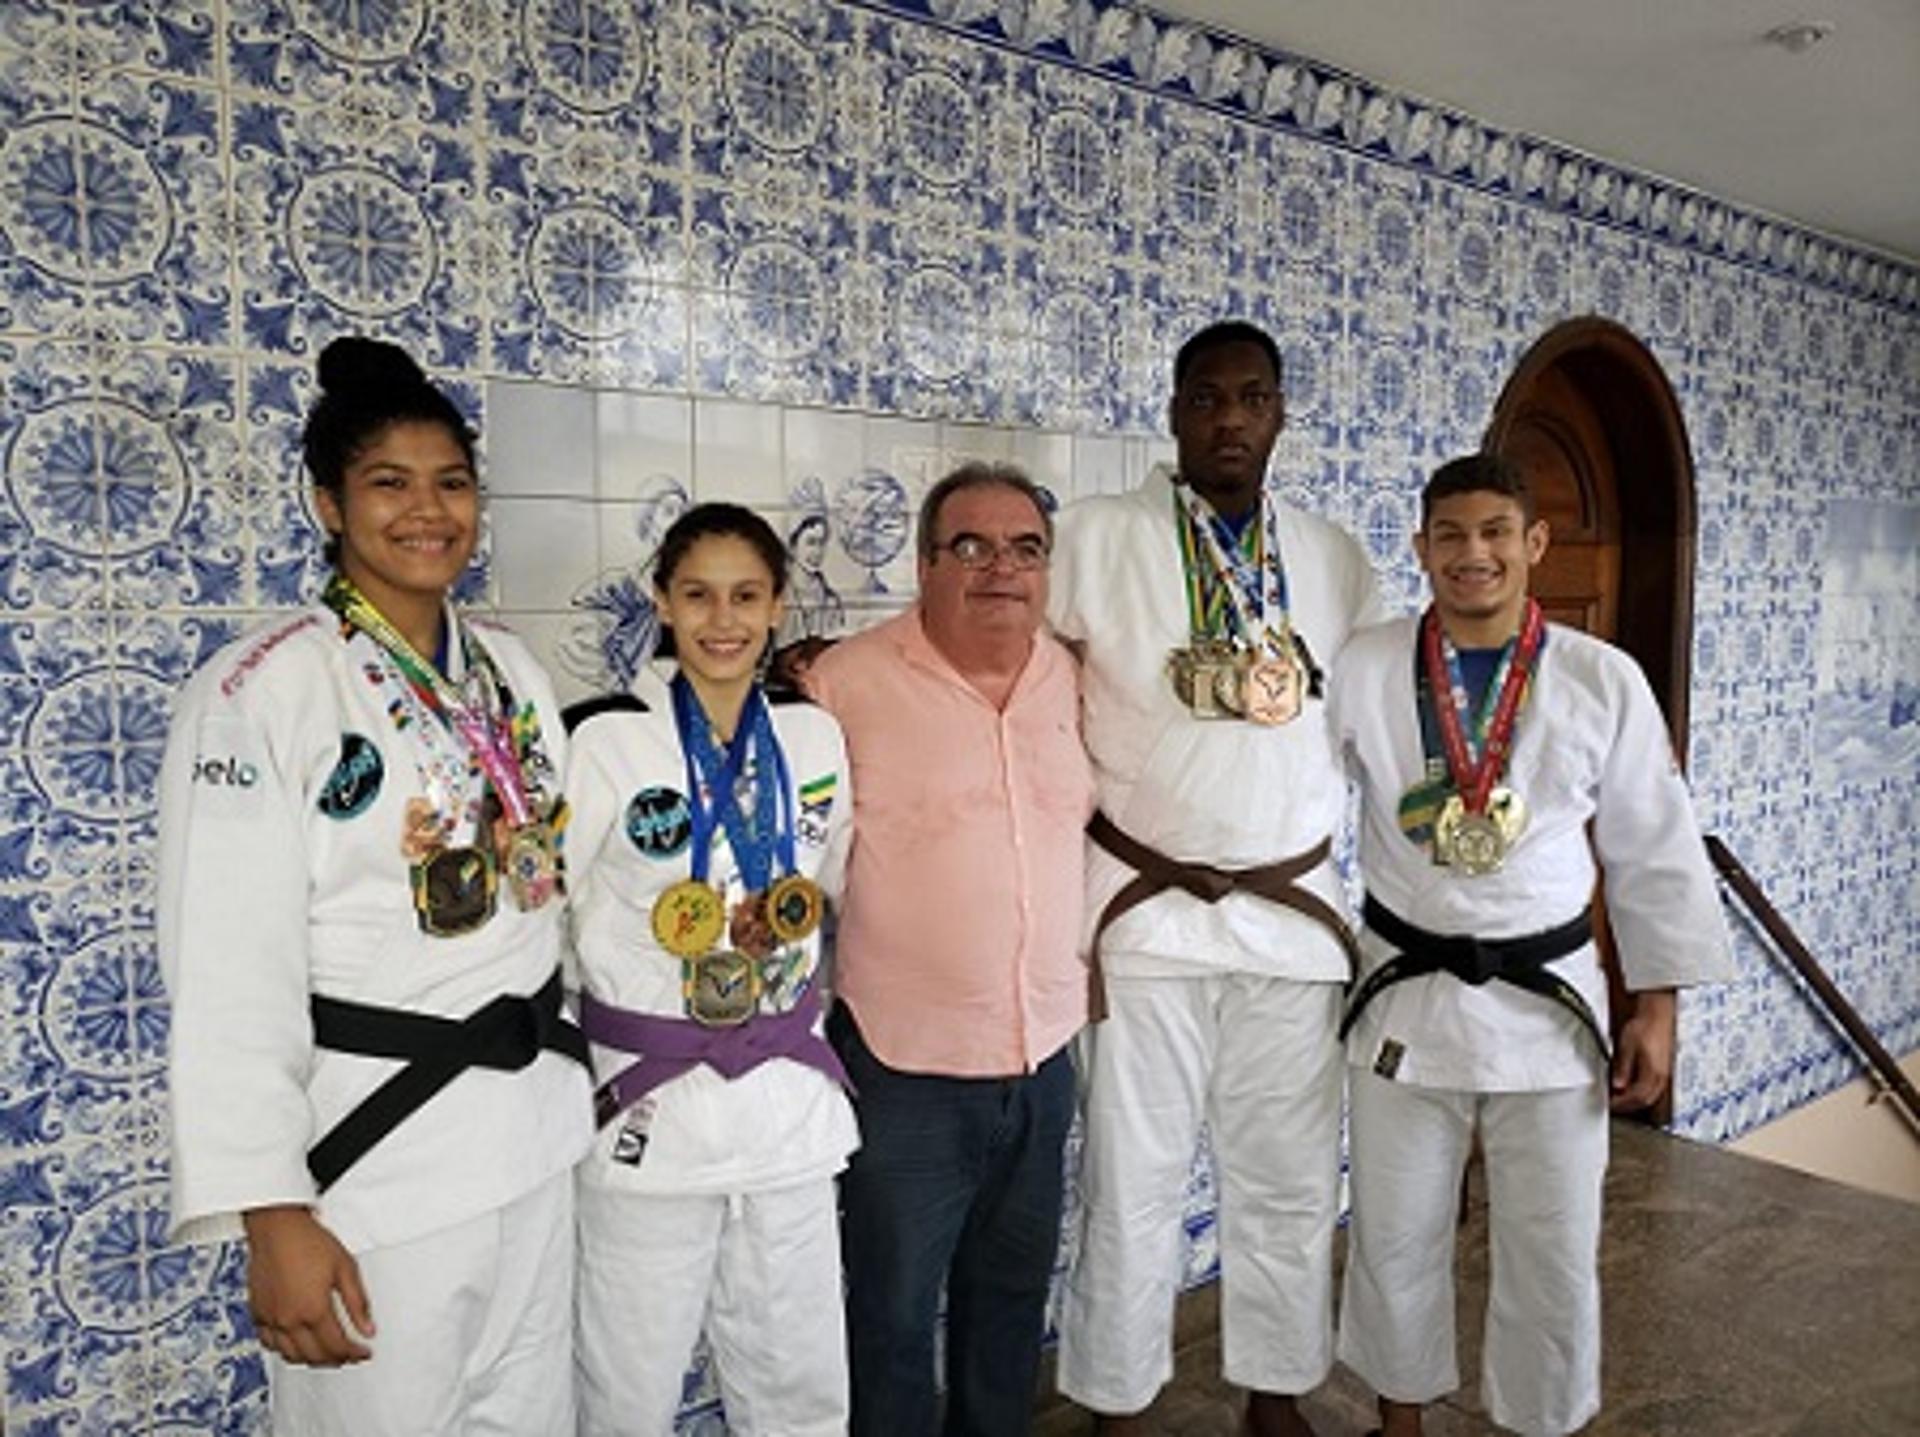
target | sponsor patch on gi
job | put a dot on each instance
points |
(355, 780)
(659, 823)
(1387, 1062)
(223, 770)
(816, 803)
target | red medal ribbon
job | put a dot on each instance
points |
(1472, 780)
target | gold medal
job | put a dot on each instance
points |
(1509, 813)
(721, 990)
(1474, 843)
(453, 890)
(531, 868)
(1273, 691)
(688, 918)
(794, 907)
(1209, 678)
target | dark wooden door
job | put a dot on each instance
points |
(1558, 439)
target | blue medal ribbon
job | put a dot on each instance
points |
(760, 838)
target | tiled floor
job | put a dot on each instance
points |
(1741, 1298)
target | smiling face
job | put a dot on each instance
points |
(961, 606)
(721, 603)
(406, 515)
(1478, 550)
(1225, 416)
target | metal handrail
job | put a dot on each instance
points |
(1884, 1072)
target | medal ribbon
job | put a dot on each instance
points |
(1477, 762)
(768, 835)
(489, 739)
(1254, 584)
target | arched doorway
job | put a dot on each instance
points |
(1589, 416)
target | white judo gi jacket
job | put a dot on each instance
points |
(780, 1123)
(1219, 791)
(282, 798)
(1589, 744)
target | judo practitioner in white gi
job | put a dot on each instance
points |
(1206, 611)
(1489, 745)
(360, 927)
(707, 834)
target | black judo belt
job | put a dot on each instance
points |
(1520, 961)
(505, 1034)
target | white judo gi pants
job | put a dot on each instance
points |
(1256, 1058)
(759, 1271)
(475, 1335)
(1546, 1157)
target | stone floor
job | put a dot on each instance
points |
(1741, 1298)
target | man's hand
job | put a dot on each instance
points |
(294, 1268)
(1643, 1065)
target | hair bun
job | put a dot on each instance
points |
(354, 364)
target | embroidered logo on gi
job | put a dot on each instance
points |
(816, 802)
(659, 823)
(226, 772)
(355, 780)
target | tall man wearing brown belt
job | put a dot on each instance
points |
(1205, 611)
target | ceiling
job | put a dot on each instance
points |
(1685, 89)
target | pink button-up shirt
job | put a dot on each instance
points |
(958, 946)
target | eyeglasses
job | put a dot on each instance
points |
(976, 551)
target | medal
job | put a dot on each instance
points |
(1478, 824)
(531, 867)
(448, 892)
(721, 990)
(1209, 677)
(1470, 842)
(1241, 663)
(1273, 691)
(453, 890)
(794, 907)
(747, 928)
(759, 824)
(688, 918)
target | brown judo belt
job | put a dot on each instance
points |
(1155, 873)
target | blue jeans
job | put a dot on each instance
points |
(957, 1180)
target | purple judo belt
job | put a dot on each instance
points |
(668, 1047)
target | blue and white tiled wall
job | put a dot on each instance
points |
(806, 254)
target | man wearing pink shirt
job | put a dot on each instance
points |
(958, 972)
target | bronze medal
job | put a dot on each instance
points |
(794, 908)
(1273, 691)
(721, 990)
(531, 868)
(688, 918)
(747, 928)
(454, 890)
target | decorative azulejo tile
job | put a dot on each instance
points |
(568, 72)
(271, 51)
(592, 288)
(785, 306)
(789, 90)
